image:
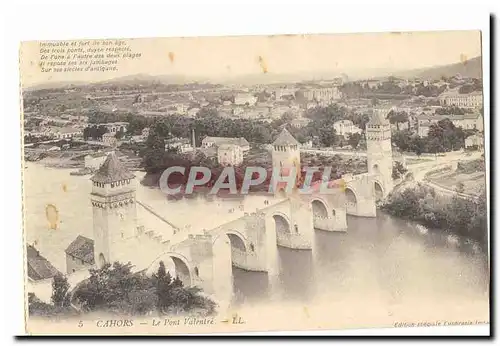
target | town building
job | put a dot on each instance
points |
(109, 139)
(454, 98)
(79, 254)
(322, 94)
(229, 155)
(468, 121)
(67, 132)
(475, 141)
(183, 145)
(300, 122)
(208, 142)
(245, 99)
(279, 93)
(39, 268)
(345, 127)
(115, 127)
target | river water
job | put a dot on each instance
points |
(381, 266)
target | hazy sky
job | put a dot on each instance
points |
(226, 57)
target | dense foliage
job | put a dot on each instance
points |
(114, 288)
(460, 216)
(443, 136)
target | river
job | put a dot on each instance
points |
(380, 267)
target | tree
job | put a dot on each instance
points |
(60, 286)
(397, 117)
(398, 170)
(327, 135)
(154, 153)
(163, 284)
(353, 140)
(418, 145)
(460, 188)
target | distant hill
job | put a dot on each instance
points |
(471, 68)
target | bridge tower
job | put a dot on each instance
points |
(286, 154)
(379, 150)
(114, 208)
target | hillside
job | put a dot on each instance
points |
(470, 68)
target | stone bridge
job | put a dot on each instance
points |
(251, 242)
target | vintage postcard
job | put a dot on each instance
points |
(260, 183)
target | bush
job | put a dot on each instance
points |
(114, 288)
(471, 166)
(463, 217)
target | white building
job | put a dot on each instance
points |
(454, 98)
(245, 98)
(474, 141)
(181, 144)
(209, 142)
(300, 122)
(67, 132)
(283, 92)
(115, 127)
(345, 127)
(229, 155)
(322, 94)
(109, 139)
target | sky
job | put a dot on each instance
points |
(219, 58)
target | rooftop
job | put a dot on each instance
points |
(438, 117)
(455, 92)
(226, 140)
(82, 248)
(112, 170)
(285, 138)
(39, 267)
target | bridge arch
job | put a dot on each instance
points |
(379, 190)
(237, 239)
(351, 199)
(320, 208)
(282, 223)
(179, 263)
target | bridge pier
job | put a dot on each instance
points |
(365, 207)
(293, 225)
(333, 223)
(360, 195)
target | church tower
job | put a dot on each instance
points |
(114, 208)
(286, 154)
(379, 149)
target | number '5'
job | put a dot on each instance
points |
(80, 324)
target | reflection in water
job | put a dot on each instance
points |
(383, 260)
(296, 278)
(249, 287)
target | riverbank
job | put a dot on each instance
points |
(458, 217)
